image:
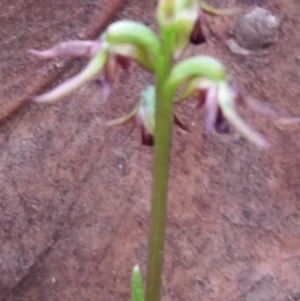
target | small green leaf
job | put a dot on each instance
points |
(137, 293)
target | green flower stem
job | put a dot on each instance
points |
(163, 130)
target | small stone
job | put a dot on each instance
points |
(257, 29)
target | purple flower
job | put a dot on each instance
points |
(220, 99)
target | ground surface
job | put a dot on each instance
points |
(75, 200)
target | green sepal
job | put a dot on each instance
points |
(136, 53)
(94, 66)
(194, 84)
(184, 24)
(130, 32)
(200, 66)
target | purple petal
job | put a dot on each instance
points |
(106, 87)
(288, 120)
(260, 108)
(69, 49)
(211, 106)
(252, 103)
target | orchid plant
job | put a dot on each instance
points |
(180, 23)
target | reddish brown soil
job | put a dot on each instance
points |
(75, 199)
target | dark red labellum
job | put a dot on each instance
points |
(197, 36)
(201, 98)
(221, 125)
(123, 61)
(147, 138)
